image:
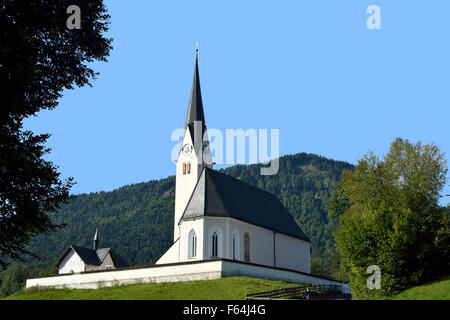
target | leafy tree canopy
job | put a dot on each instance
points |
(389, 216)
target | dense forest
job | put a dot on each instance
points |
(136, 220)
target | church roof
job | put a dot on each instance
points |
(219, 195)
(195, 109)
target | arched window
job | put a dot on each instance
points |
(189, 167)
(214, 245)
(184, 168)
(235, 245)
(246, 247)
(192, 244)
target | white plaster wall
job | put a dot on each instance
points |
(218, 224)
(179, 272)
(164, 273)
(92, 267)
(71, 263)
(292, 253)
(107, 263)
(261, 240)
(186, 226)
(171, 255)
(185, 183)
(230, 268)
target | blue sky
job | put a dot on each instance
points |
(311, 69)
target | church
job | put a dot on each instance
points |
(218, 216)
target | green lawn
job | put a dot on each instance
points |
(437, 290)
(231, 288)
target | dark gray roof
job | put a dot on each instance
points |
(102, 253)
(89, 256)
(195, 109)
(217, 194)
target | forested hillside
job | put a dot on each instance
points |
(136, 220)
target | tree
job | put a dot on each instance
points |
(318, 268)
(39, 58)
(336, 269)
(14, 279)
(389, 216)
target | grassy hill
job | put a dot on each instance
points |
(232, 288)
(137, 220)
(436, 290)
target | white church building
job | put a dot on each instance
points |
(222, 227)
(218, 216)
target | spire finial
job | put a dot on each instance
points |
(196, 47)
(96, 240)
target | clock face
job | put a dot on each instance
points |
(187, 149)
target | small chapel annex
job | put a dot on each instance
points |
(77, 259)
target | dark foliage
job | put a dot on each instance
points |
(39, 58)
(29, 188)
(14, 279)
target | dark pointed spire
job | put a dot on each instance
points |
(96, 240)
(195, 109)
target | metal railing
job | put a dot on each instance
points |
(295, 292)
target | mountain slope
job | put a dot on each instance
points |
(136, 220)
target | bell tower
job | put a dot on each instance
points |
(194, 154)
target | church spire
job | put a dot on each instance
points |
(96, 240)
(195, 109)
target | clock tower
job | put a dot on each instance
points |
(194, 154)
